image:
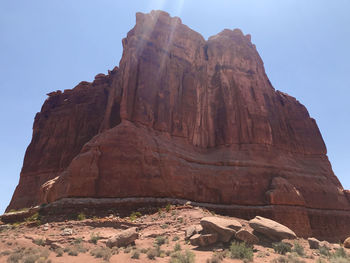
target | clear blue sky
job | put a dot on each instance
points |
(51, 45)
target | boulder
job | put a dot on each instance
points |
(271, 229)
(123, 238)
(246, 236)
(347, 242)
(203, 240)
(225, 228)
(316, 244)
(313, 243)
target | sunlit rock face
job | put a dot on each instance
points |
(184, 117)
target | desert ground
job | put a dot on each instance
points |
(161, 238)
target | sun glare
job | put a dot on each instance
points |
(176, 10)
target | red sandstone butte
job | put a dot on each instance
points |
(187, 118)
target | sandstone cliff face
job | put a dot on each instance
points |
(186, 118)
(66, 122)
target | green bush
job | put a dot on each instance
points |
(164, 226)
(73, 252)
(78, 240)
(134, 215)
(152, 253)
(144, 250)
(177, 247)
(81, 216)
(168, 207)
(28, 255)
(280, 259)
(75, 249)
(135, 254)
(339, 260)
(59, 252)
(289, 259)
(340, 253)
(128, 249)
(185, 257)
(160, 240)
(102, 252)
(241, 251)
(31, 258)
(216, 258)
(14, 258)
(5, 253)
(297, 248)
(324, 251)
(39, 242)
(94, 237)
(115, 250)
(281, 247)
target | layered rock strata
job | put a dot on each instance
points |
(186, 118)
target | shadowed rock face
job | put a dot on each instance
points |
(66, 122)
(186, 118)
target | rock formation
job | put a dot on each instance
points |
(186, 118)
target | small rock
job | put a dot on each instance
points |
(123, 238)
(49, 241)
(191, 230)
(347, 243)
(325, 244)
(246, 236)
(204, 239)
(67, 232)
(56, 246)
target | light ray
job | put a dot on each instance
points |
(178, 11)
